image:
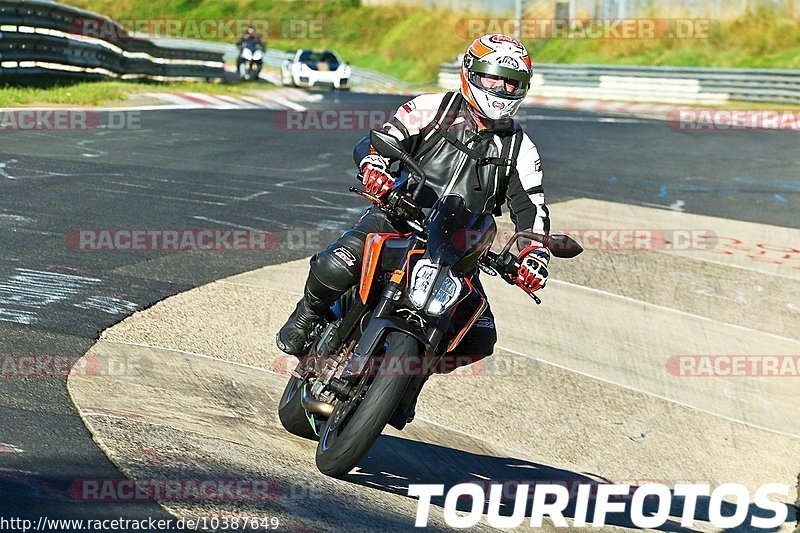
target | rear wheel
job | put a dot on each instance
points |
(294, 418)
(354, 426)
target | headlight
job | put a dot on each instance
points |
(422, 284)
(446, 296)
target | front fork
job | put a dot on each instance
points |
(384, 320)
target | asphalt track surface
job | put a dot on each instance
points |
(229, 169)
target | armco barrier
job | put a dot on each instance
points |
(662, 84)
(275, 59)
(43, 38)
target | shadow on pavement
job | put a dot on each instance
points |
(394, 463)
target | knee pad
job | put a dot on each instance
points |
(339, 265)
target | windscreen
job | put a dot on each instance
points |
(325, 57)
(457, 236)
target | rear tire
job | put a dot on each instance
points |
(350, 432)
(291, 413)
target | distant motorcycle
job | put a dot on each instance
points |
(346, 389)
(250, 61)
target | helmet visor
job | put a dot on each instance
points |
(498, 85)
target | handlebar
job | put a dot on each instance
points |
(397, 204)
(391, 148)
(504, 264)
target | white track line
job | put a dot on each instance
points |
(176, 99)
(673, 310)
(288, 103)
(237, 101)
(260, 103)
(510, 350)
(648, 393)
(213, 101)
(225, 223)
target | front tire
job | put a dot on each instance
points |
(293, 417)
(352, 429)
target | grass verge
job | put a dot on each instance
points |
(104, 93)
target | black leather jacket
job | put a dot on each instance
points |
(451, 171)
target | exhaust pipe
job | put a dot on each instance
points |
(310, 403)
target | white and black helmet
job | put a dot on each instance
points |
(495, 75)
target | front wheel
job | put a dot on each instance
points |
(354, 426)
(293, 417)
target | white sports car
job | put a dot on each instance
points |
(309, 68)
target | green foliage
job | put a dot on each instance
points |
(764, 38)
(411, 43)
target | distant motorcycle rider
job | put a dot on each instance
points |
(251, 38)
(468, 145)
(249, 35)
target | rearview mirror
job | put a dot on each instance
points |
(390, 147)
(563, 246)
(386, 145)
(560, 245)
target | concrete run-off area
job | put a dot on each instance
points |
(601, 383)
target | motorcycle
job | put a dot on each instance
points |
(250, 61)
(368, 359)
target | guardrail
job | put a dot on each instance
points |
(42, 38)
(275, 58)
(682, 85)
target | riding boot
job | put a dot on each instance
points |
(317, 299)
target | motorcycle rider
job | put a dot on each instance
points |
(467, 144)
(250, 36)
